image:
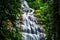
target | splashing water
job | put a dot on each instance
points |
(30, 30)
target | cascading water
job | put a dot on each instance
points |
(30, 30)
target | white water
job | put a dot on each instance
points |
(30, 30)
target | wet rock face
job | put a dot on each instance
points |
(30, 30)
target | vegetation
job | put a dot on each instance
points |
(46, 11)
(8, 12)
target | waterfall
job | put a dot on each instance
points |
(30, 30)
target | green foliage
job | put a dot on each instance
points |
(8, 11)
(7, 35)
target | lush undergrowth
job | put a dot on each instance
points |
(8, 12)
(7, 35)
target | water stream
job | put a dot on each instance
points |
(30, 30)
